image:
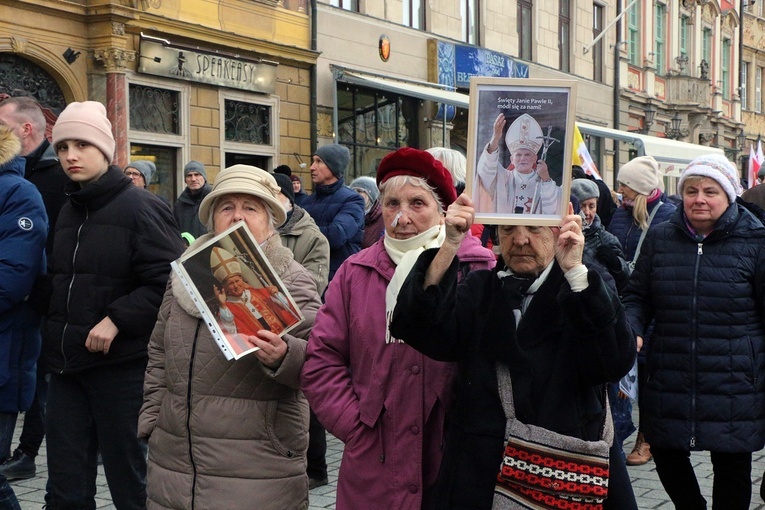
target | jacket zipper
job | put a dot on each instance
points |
(188, 415)
(694, 338)
(69, 290)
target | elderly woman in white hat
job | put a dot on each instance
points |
(524, 187)
(699, 279)
(230, 434)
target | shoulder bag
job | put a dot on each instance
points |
(542, 469)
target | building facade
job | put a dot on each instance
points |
(387, 70)
(181, 80)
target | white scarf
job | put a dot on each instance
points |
(404, 253)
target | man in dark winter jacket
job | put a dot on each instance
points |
(336, 209)
(111, 260)
(25, 118)
(23, 228)
(186, 210)
(339, 213)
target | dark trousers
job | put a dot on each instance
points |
(732, 489)
(620, 493)
(33, 430)
(317, 449)
(8, 499)
(93, 410)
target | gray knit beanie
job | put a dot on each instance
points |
(336, 157)
(368, 185)
(584, 189)
(147, 169)
(194, 166)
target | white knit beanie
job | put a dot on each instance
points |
(718, 168)
(86, 121)
(641, 174)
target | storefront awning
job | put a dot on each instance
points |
(405, 88)
(672, 156)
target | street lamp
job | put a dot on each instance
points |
(650, 114)
(672, 130)
(741, 138)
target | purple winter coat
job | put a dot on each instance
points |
(386, 402)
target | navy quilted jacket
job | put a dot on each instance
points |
(628, 232)
(339, 213)
(706, 359)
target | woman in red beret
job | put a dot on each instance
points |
(383, 399)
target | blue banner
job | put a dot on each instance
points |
(457, 63)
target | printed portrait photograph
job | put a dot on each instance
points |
(237, 291)
(519, 149)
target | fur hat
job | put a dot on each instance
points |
(146, 167)
(224, 264)
(718, 168)
(285, 183)
(248, 180)
(409, 161)
(368, 186)
(194, 166)
(86, 121)
(336, 157)
(524, 133)
(10, 145)
(641, 174)
(584, 189)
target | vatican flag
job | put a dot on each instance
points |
(581, 156)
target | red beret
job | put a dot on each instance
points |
(409, 161)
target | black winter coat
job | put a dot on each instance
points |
(186, 211)
(596, 236)
(706, 360)
(567, 346)
(111, 256)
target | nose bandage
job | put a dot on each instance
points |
(394, 223)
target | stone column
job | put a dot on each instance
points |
(115, 61)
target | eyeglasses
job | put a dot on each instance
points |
(133, 174)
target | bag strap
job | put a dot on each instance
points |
(505, 386)
(644, 232)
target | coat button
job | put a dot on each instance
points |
(415, 370)
(415, 430)
(413, 489)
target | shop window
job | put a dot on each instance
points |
(247, 122)
(372, 123)
(154, 110)
(164, 181)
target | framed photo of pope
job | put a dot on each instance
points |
(236, 290)
(520, 143)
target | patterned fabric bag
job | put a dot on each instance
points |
(542, 469)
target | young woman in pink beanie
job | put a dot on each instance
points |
(111, 260)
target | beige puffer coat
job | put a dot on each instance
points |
(226, 434)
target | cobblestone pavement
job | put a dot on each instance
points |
(645, 481)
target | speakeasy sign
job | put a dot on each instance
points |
(163, 59)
